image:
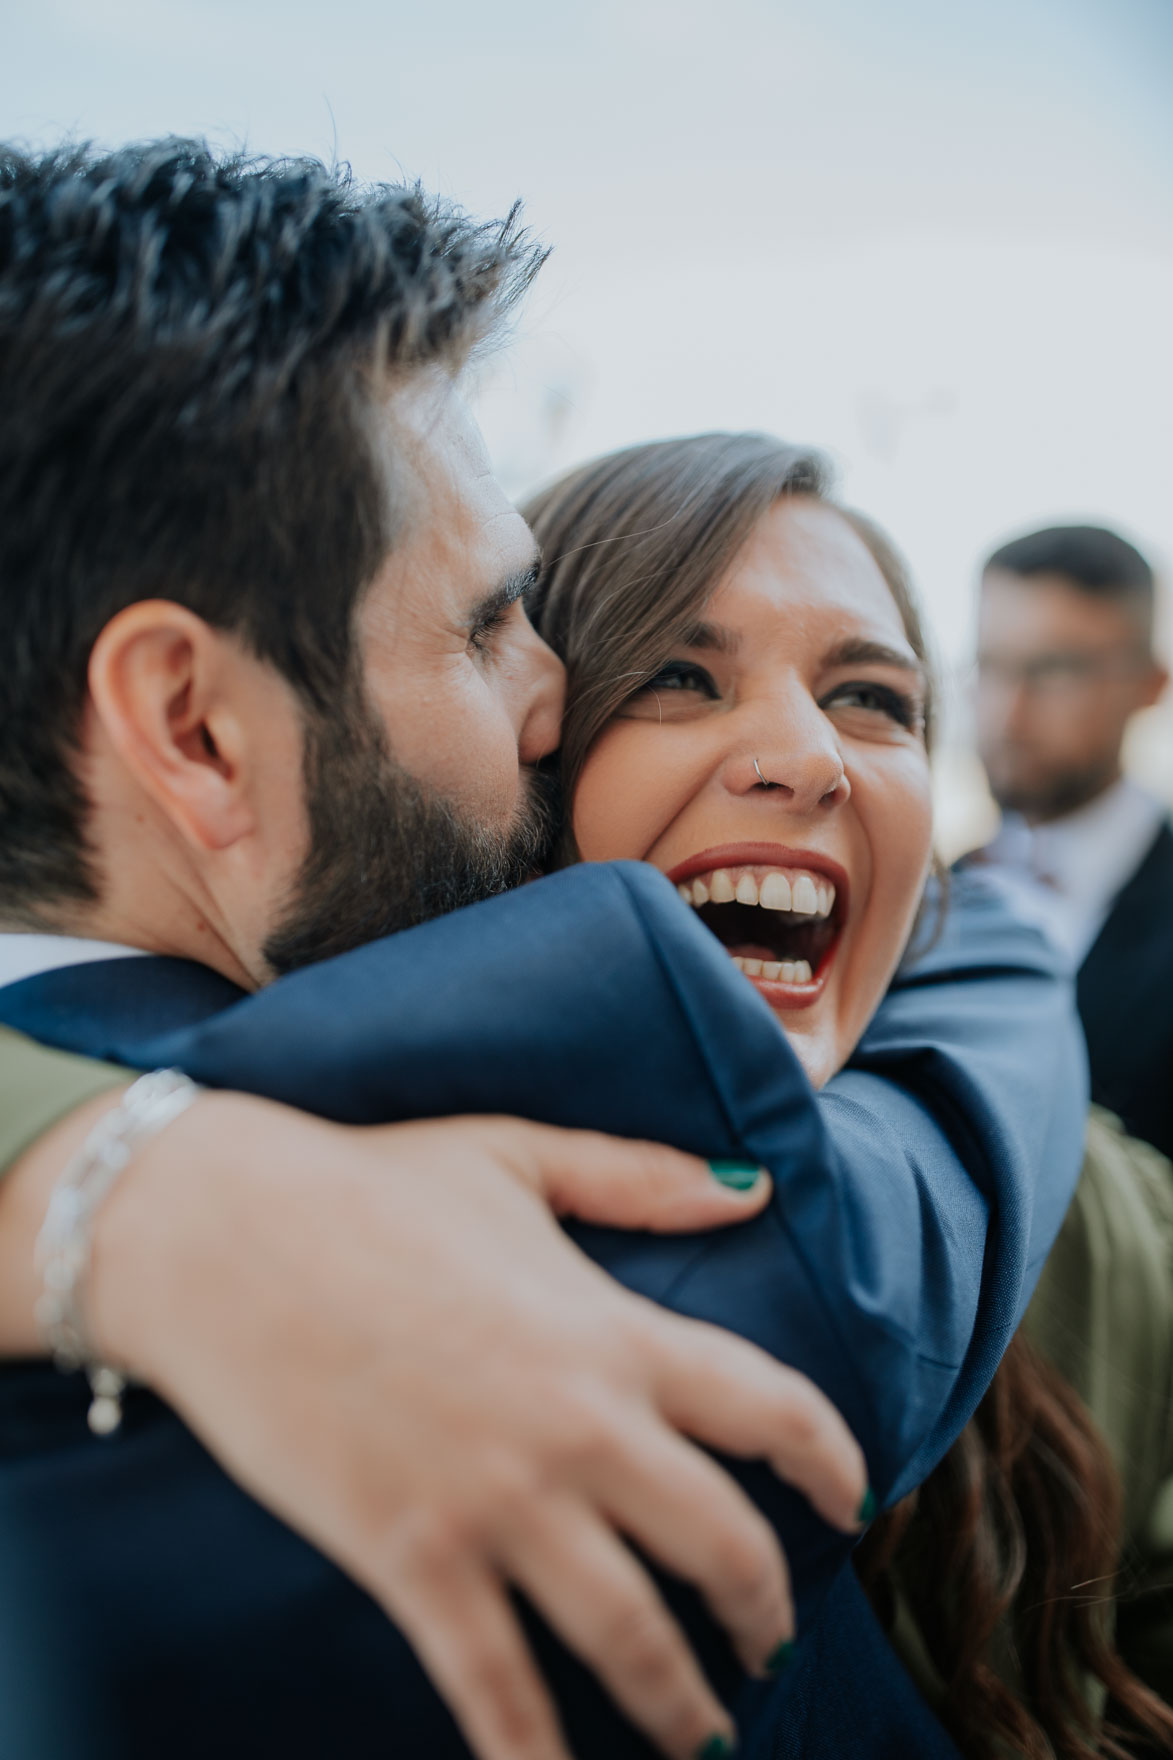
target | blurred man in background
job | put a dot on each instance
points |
(1065, 660)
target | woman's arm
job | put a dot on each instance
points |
(251, 1259)
(915, 1201)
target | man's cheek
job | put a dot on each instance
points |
(489, 785)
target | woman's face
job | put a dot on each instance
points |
(800, 662)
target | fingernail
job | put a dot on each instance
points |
(780, 1658)
(739, 1176)
(867, 1508)
(716, 1748)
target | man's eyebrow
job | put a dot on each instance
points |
(858, 651)
(506, 593)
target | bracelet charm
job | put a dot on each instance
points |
(63, 1246)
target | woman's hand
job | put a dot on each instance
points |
(384, 1335)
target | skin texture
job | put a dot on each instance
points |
(1051, 743)
(192, 745)
(673, 775)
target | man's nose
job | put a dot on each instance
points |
(541, 729)
(1004, 708)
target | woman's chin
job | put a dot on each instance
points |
(814, 1042)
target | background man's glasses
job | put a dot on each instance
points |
(1057, 674)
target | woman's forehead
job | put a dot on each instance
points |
(804, 561)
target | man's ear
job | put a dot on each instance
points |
(161, 684)
(1154, 689)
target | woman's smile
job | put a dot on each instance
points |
(775, 770)
(778, 911)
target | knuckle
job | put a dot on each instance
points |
(588, 1435)
(640, 1639)
(422, 1542)
(800, 1417)
(748, 1567)
(507, 1493)
(645, 1336)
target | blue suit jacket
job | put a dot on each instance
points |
(915, 1200)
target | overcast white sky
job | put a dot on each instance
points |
(935, 238)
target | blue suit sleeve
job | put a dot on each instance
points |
(915, 1199)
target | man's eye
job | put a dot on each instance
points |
(878, 699)
(681, 675)
(480, 637)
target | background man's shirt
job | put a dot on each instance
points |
(1064, 875)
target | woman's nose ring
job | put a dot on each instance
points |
(762, 780)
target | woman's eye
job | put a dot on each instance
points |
(681, 675)
(878, 699)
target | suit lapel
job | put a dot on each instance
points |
(114, 1008)
(1146, 897)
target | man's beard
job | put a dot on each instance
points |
(384, 854)
(1042, 798)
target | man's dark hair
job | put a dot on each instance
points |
(1095, 561)
(190, 346)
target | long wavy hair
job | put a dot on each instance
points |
(1023, 1514)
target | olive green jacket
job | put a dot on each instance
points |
(1103, 1315)
(39, 1087)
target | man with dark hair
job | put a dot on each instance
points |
(252, 471)
(1065, 660)
(270, 693)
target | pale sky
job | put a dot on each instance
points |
(936, 239)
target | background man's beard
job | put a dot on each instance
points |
(384, 854)
(1051, 797)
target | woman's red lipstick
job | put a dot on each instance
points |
(761, 859)
(760, 855)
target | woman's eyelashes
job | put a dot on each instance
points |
(682, 675)
(875, 700)
(901, 707)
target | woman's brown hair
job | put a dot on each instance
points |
(1022, 1517)
(635, 543)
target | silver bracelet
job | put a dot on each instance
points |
(63, 1245)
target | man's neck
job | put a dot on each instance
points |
(123, 930)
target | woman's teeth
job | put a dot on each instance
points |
(778, 971)
(795, 890)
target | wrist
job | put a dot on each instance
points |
(144, 1231)
(24, 1198)
(181, 1244)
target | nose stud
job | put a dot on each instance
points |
(762, 782)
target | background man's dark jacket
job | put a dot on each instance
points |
(1125, 995)
(915, 1201)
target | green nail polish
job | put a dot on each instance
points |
(780, 1658)
(739, 1176)
(867, 1508)
(716, 1748)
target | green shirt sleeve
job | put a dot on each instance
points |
(1103, 1309)
(38, 1087)
(1103, 1313)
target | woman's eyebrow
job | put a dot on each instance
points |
(857, 651)
(714, 637)
(852, 651)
